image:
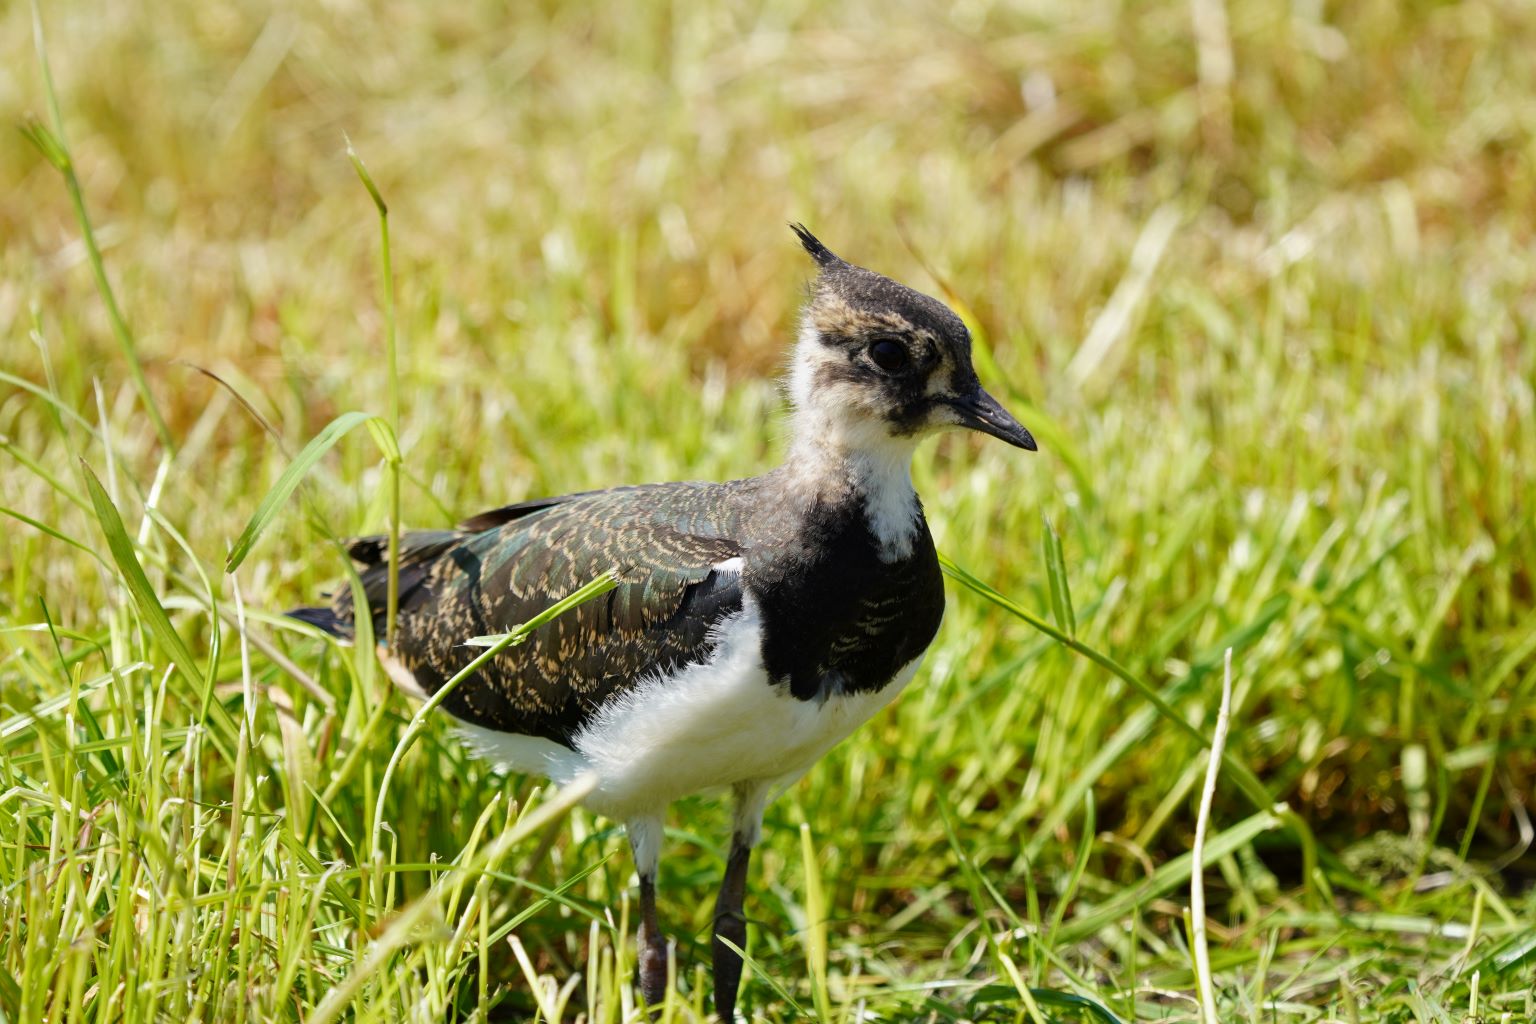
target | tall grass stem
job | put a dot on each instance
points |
(54, 146)
(1198, 939)
(392, 384)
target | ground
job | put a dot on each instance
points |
(1259, 277)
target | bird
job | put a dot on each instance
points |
(755, 623)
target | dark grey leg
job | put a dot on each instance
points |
(652, 946)
(645, 841)
(730, 924)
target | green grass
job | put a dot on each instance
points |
(1274, 333)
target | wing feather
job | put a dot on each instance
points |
(507, 565)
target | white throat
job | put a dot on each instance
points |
(835, 453)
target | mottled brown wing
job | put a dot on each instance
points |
(662, 541)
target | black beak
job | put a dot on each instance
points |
(980, 411)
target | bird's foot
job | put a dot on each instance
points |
(653, 976)
(652, 968)
(652, 951)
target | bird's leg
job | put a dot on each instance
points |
(730, 922)
(652, 946)
(645, 841)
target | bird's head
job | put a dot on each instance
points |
(878, 362)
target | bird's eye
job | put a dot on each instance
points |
(891, 356)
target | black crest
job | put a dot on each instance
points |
(865, 290)
(823, 256)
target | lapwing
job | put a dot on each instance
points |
(756, 623)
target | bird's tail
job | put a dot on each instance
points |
(418, 549)
(323, 618)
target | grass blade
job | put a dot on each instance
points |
(1056, 570)
(289, 481)
(148, 603)
(815, 937)
(1515, 951)
(1167, 877)
(121, 546)
(1078, 1006)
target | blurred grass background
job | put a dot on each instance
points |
(1259, 275)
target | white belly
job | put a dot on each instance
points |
(707, 725)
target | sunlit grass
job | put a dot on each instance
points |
(1274, 336)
